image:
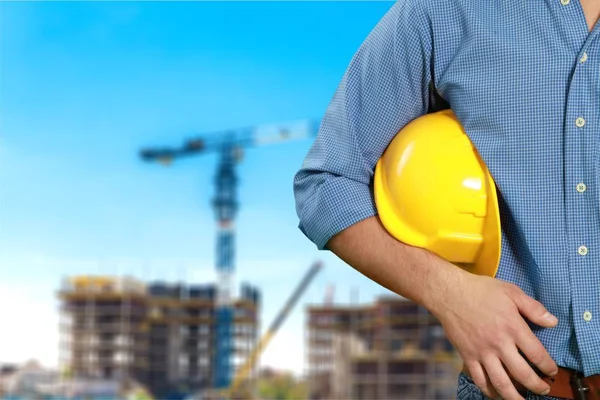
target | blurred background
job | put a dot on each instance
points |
(148, 233)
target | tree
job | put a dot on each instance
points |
(281, 386)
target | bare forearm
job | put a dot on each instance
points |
(413, 273)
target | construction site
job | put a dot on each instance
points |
(162, 338)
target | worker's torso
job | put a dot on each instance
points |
(524, 79)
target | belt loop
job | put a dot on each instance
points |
(578, 386)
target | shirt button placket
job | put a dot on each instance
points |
(581, 187)
(577, 217)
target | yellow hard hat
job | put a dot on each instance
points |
(433, 191)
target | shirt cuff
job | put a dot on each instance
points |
(337, 204)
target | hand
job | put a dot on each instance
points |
(483, 319)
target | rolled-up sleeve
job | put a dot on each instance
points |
(386, 85)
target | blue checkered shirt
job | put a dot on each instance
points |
(523, 78)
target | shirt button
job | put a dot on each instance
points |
(580, 122)
(587, 316)
(564, 2)
(581, 187)
(582, 250)
(583, 57)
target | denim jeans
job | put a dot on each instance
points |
(467, 390)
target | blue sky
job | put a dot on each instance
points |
(83, 86)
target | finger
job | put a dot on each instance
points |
(532, 309)
(522, 372)
(535, 352)
(481, 379)
(500, 380)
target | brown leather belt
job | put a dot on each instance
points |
(568, 384)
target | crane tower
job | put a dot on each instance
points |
(230, 145)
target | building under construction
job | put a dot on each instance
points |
(391, 349)
(160, 335)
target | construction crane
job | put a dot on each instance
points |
(230, 145)
(233, 391)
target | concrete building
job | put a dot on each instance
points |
(161, 335)
(390, 349)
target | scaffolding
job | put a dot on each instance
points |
(102, 327)
(160, 334)
(390, 349)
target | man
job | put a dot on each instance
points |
(523, 77)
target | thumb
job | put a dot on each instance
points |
(532, 309)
